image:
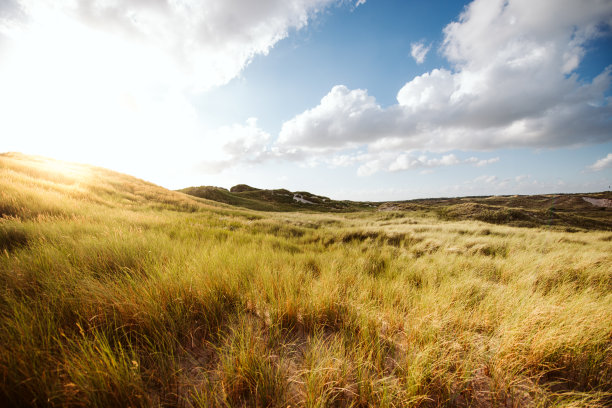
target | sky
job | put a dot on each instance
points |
(353, 99)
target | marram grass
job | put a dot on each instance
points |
(115, 292)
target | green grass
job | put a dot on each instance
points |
(116, 292)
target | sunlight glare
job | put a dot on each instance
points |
(74, 93)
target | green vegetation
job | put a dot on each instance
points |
(116, 292)
(274, 200)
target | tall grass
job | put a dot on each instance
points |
(115, 292)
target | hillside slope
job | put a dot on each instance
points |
(33, 186)
(253, 198)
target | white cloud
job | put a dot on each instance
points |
(405, 162)
(369, 168)
(482, 162)
(320, 127)
(602, 164)
(374, 162)
(206, 43)
(246, 139)
(419, 51)
(512, 84)
(522, 178)
(236, 145)
(486, 179)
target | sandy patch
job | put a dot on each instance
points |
(598, 202)
(299, 198)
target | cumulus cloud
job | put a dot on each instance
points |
(419, 51)
(513, 83)
(320, 128)
(602, 164)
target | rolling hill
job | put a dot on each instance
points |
(564, 211)
(253, 198)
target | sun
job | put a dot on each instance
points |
(75, 93)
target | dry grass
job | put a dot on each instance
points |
(116, 292)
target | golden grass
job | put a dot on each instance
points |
(116, 292)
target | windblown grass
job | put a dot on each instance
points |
(116, 292)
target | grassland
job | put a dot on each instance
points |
(566, 212)
(116, 292)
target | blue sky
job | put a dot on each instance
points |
(320, 95)
(365, 47)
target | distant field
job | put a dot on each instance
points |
(117, 292)
(568, 212)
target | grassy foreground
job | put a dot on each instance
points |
(116, 292)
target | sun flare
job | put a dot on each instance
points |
(75, 93)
